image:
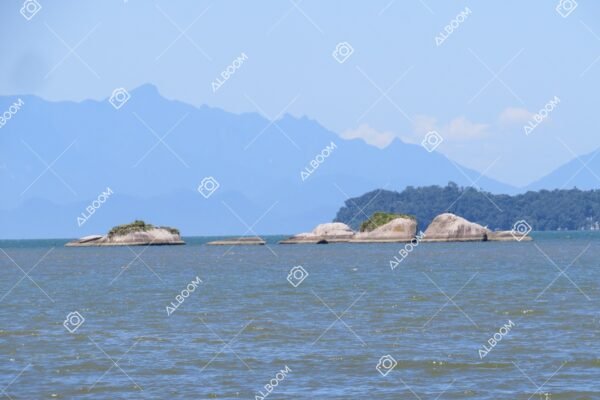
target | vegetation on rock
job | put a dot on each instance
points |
(380, 218)
(137, 226)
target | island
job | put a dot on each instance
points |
(137, 233)
(384, 227)
(380, 227)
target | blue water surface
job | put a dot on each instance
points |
(231, 334)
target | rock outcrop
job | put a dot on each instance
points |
(137, 233)
(324, 233)
(448, 227)
(402, 229)
(508, 236)
(238, 241)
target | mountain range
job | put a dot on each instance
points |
(273, 176)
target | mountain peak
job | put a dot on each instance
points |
(146, 89)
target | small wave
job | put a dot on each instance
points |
(19, 332)
(435, 365)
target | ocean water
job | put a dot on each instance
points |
(244, 323)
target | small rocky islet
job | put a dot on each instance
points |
(379, 228)
(137, 233)
(244, 240)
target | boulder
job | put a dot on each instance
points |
(448, 227)
(333, 230)
(330, 232)
(401, 229)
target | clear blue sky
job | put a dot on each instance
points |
(289, 46)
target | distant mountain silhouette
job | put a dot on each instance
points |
(582, 173)
(257, 163)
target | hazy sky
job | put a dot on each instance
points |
(500, 64)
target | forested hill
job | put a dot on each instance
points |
(572, 209)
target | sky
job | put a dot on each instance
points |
(475, 73)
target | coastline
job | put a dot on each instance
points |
(274, 238)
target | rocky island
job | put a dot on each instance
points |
(137, 233)
(381, 227)
(384, 227)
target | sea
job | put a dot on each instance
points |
(486, 320)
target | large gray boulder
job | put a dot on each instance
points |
(323, 233)
(448, 227)
(397, 230)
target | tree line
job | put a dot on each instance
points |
(544, 210)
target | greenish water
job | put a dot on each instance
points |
(244, 322)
